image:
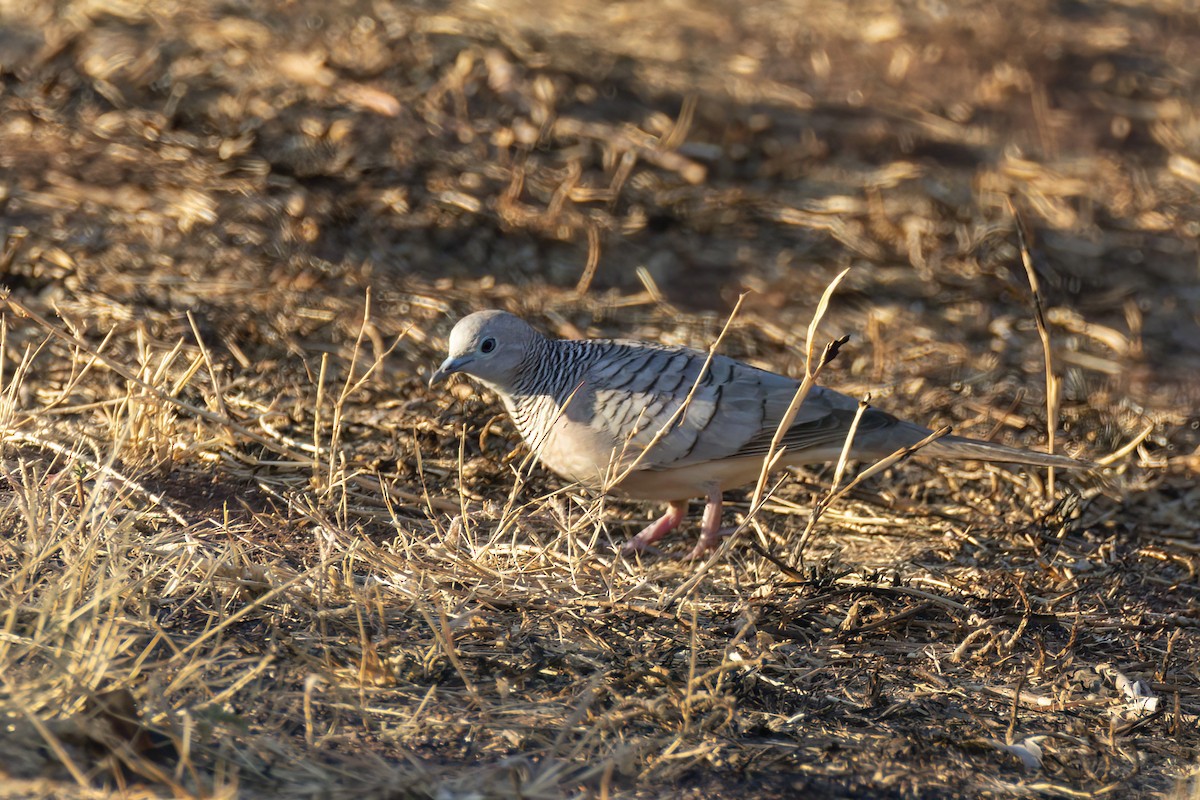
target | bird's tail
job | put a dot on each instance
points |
(960, 447)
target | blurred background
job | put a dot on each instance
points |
(243, 160)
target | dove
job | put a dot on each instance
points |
(656, 422)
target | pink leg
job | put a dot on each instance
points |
(668, 522)
(710, 525)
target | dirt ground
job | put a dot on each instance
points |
(248, 552)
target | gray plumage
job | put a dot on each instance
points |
(606, 414)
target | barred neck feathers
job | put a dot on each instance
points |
(553, 367)
(551, 372)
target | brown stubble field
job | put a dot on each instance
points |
(247, 552)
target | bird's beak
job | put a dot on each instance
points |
(448, 368)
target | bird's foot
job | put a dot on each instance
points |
(708, 543)
(711, 531)
(656, 530)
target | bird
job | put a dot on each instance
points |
(655, 422)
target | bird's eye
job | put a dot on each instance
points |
(487, 345)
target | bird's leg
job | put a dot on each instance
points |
(668, 522)
(710, 525)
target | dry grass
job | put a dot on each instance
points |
(246, 552)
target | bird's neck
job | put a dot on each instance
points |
(550, 375)
(551, 369)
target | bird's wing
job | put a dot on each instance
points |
(830, 431)
(638, 391)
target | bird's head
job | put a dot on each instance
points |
(490, 346)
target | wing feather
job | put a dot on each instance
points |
(638, 389)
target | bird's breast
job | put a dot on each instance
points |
(582, 454)
(565, 440)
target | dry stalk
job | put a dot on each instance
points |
(812, 371)
(593, 261)
(317, 408)
(1053, 382)
(840, 470)
(218, 395)
(682, 125)
(1127, 448)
